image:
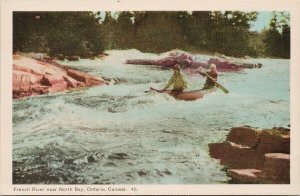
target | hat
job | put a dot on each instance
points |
(176, 67)
(212, 66)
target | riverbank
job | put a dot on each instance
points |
(36, 76)
(255, 156)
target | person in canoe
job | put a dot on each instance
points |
(211, 76)
(177, 80)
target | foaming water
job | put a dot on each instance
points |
(120, 135)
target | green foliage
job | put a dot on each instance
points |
(277, 44)
(83, 33)
(67, 33)
(158, 32)
(226, 32)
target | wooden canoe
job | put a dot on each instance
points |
(188, 95)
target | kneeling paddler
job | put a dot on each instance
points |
(177, 80)
(211, 77)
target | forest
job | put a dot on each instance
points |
(89, 33)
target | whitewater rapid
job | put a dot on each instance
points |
(118, 134)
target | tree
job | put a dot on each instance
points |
(158, 32)
(277, 43)
(68, 33)
(108, 30)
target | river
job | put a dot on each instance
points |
(118, 134)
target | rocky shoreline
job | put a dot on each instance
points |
(255, 156)
(34, 75)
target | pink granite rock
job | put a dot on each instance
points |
(34, 76)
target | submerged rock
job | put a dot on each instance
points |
(33, 76)
(73, 58)
(255, 156)
(118, 156)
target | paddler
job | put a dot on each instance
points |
(177, 80)
(210, 81)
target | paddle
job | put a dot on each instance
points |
(217, 84)
(153, 89)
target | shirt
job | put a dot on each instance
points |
(209, 82)
(178, 81)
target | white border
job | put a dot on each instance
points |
(7, 7)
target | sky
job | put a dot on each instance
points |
(263, 20)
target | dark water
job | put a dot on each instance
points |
(120, 135)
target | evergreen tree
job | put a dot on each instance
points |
(85, 33)
(67, 33)
(278, 44)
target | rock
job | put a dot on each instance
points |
(118, 156)
(142, 173)
(245, 175)
(91, 158)
(24, 81)
(244, 136)
(232, 155)
(34, 77)
(223, 65)
(33, 55)
(52, 80)
(71, 82)
(84, 77)
(276, 168)
(73, 58)
(141, 62)
(255, 156)
(250, 66)
(222, 62)
(183, 59)
(58, 88)
(271, 141)
(110, 164)
(60, 57)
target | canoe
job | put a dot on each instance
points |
(188, 95)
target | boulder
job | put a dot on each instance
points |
(255, 156)
(276, 168)
(271, 141)
(232, 155)
(244, 136)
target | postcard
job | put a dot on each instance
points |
(133, 97)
